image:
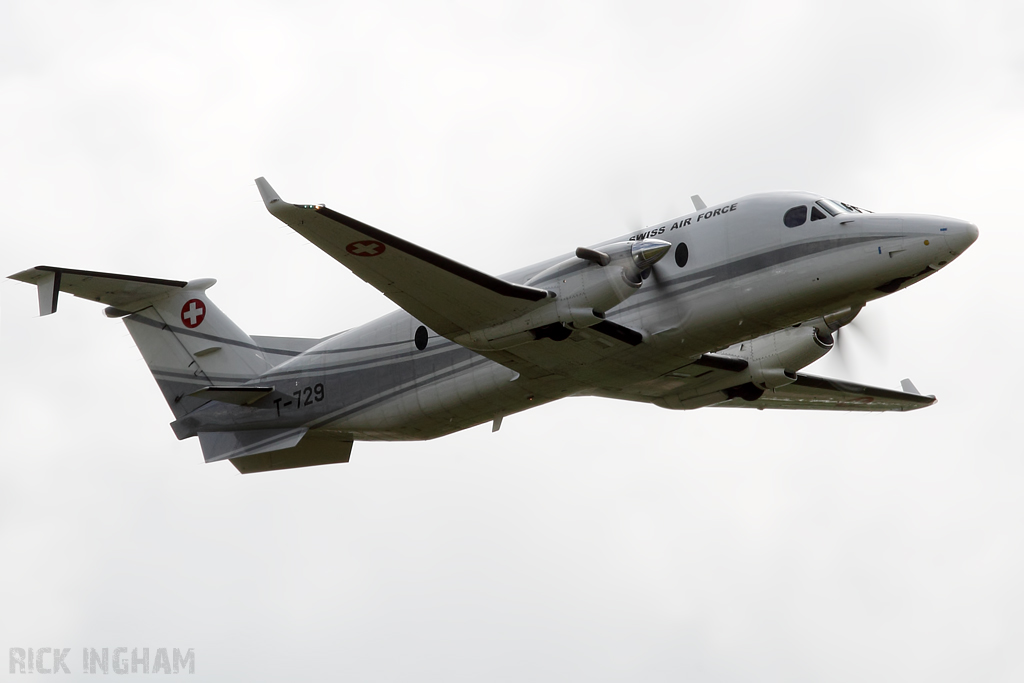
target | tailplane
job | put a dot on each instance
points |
(187, 342)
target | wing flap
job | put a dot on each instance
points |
(445, 295)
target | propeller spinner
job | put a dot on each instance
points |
(646, 253)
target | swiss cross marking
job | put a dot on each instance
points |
(365, 248)
(192, 313)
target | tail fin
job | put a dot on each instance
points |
(187, 342)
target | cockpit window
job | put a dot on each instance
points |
(817, 214)
(795, 216)
(833, 208)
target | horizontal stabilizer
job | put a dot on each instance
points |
(810, 392)
(446, 296)
(239, 395)
(264, 450)
(113, 289)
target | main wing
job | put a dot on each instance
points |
(446, 296)
(723, 381)
(810, 392)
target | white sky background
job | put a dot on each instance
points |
(588, 539)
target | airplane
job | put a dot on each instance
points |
(721, 307)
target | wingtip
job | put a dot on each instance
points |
(267, 192)
(47, 282)
(909, 388)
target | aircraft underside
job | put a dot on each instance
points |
(721, 308)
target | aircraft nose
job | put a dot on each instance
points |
(972, 233)
(961, 236)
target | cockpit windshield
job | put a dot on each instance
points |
(835, 208)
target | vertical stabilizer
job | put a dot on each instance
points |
(187, 342)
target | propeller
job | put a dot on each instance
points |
(652, 272)
(856, 333)
(637, 226)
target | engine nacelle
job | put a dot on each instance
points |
(582, 289)
(594, 281)
(773, 359)
(772, 362)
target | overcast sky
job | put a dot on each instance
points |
(588, 539)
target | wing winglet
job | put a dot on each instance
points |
(48, 289)
(267, 192)
(908, 387)
(47, 282)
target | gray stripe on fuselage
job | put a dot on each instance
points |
(731, 270)
(706, 277)
(406, 356)
(448, 349)
(790, 252)
(209, 337)
(277, 352)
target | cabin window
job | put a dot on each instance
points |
(817, 214)
(421, 338)
(795, 216)
(682, 254)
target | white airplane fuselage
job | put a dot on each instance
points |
(721, 307)
(745, 275)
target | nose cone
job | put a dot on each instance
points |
(648, 252)
(961, 236)
(972, 233)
